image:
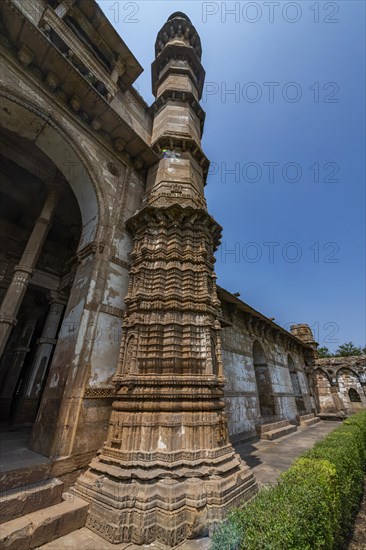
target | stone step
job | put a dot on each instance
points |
(280, 432)
(306, 416)
(263, 428)
(338, 417)
(243, 437)
(308, 419)
(29, 498)
(43, 526)
(12, 478)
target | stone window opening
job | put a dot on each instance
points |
(354, 396)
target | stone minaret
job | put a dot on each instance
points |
(303, 332)
(167, 470)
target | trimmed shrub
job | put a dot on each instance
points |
(312, 505)
(343, 450)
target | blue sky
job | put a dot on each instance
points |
(292, 133)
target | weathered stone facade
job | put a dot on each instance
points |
(108, 288)
(69, 137)
(265, 369)
(339, 385)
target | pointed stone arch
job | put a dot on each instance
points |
(56, 141)
(31, 123)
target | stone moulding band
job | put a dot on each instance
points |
(172, 457)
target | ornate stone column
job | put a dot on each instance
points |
(15, 365)
(23, 271)
(167, 470)
(27, 408)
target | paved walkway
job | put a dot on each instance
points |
(14, 452)
(267, 459)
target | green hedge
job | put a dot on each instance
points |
(312, 505)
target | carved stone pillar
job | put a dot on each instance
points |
(15, 365)
(27, 408)
(167, 471)
(23, 271)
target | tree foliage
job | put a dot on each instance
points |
(348, 349)
(324, 352)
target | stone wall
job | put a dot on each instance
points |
(284, 394)
(340, 384)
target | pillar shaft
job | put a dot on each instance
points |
(23, 271)
(28, 405)
(45, 347)
(15, 366)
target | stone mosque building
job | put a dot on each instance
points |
(126, 373)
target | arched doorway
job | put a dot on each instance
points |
(264, 384)
(71, 162)
(44, 247)
(299, 400)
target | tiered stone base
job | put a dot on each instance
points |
(171, 506)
